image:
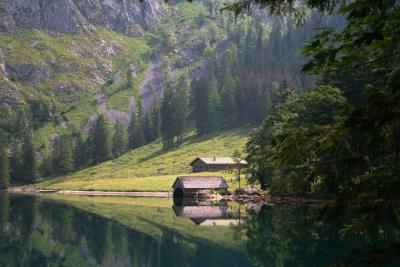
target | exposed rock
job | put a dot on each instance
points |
(79, 16)
(29, 73)
(152, 87)
(9, 93)
(85, 127)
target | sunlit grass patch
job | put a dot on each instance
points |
(152, 169)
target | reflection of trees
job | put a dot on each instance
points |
(119, 238)
(37, 232)
(4, 203)
(293, 236)
(143, 249)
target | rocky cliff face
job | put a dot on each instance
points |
(79, 16)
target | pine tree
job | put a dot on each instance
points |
(156, 119)
(16, 164)
(63, 163)
(4, 169)
(148, 128)
(120, 140)
(168, 118)
(228, 105)
(200, 103)
(135, 131)
(181, 106)
(214, 102)
(100, 141)
(29, 168)
(81, 152)
(55, 155)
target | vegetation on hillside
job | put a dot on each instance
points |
(150, 168)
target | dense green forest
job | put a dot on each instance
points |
(236, 70)
(332, 133)
(341, 137)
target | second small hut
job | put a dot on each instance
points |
(188, 186)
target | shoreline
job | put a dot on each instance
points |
(91, 193)
(238, 198)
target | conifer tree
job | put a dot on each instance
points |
(181, 106)
(200, 103)
(168, 118)
(81, 152)
(29, 168)
(63, 161)
(4, 169)
(120, 140)
(156, 119)
(135, 131)
(100, 141)
(148, 128)
(228, 105)
(16, 164)
(46, 168)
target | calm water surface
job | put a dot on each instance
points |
(53, 230)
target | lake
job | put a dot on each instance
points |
(56, 230)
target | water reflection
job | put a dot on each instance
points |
(41, 232)
(37, 232)
(299, 236)
(209, 214)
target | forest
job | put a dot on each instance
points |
(332, 134)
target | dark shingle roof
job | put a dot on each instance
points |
(200, 182)
(220, 160)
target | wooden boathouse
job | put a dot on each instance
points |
(188, 186)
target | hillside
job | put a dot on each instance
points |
(76, 76)
(149, 168)
(115, 60)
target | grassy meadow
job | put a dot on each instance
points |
(152, 169)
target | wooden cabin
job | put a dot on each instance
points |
(213, 164)
(187, 186)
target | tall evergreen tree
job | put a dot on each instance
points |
(16, 164)
(181, 106)
(4, 169)
(168, 118)
(120, 140)
(148, 128)
(135, 131)
(100, 141)
(63, 162)
(81, 152)
(29, 168)
(228, 105)
(200, 103)
(156, 119)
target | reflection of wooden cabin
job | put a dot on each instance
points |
(207, 215)
(216, 164)
(187, 186)
(201, 212)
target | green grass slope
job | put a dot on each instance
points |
(150, 168)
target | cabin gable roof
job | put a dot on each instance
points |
(219, 161)
(200, 182)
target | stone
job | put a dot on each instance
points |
(79, 16)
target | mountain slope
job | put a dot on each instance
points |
(149, 168)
